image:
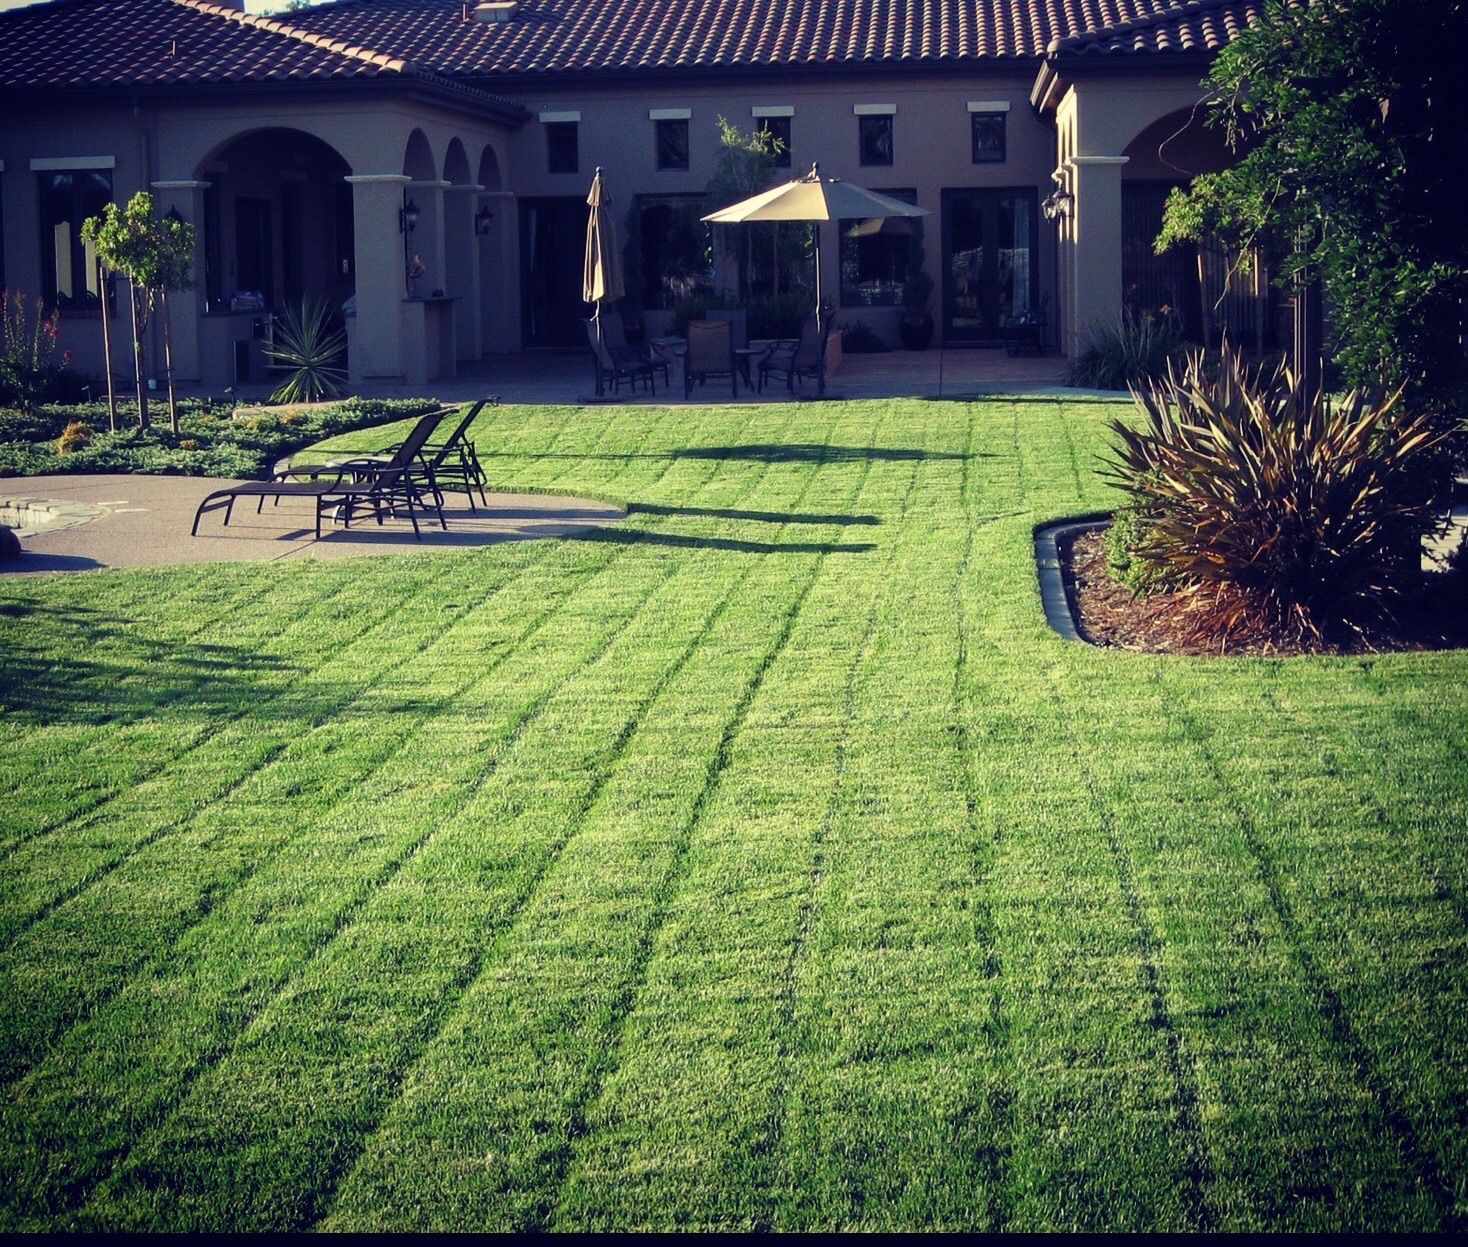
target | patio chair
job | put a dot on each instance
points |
(453, 463)
(710, 354)
(612, 371)
(376, 486)
(802, 357)
(614, 337)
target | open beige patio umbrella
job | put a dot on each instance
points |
(601, 278)
(817, 199)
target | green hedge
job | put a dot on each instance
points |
(212, 440)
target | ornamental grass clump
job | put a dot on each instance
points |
(1133, 350)
(312, 347)
(1291, 527)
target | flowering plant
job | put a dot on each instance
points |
(27, 350)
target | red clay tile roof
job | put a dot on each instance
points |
(1198, 26)
(98, 43)
(89, 43)
(599, 35)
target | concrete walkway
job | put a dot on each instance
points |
(564, 377)
(73, 523)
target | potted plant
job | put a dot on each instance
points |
(915, 327)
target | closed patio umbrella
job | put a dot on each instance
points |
(817, 199)
(601, 279)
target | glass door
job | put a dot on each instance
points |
(552, 251)
(990, 263)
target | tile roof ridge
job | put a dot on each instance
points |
(1107, 30)
(276, 26)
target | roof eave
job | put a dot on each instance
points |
(1060, 69)
(461, 98)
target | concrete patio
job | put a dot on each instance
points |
(554, 377)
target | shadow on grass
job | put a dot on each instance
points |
(79, 666)
(764, 452)
(681, 541)
(768, 517)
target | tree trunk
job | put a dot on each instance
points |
(142, 388)
(168, 359)
(107, 350)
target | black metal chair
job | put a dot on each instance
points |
(803, 357)
(612, 371)
(710, 354)
(376, 486)
(614, 337)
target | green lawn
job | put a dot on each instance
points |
(762, 862)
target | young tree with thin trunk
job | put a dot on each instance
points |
(154, 253)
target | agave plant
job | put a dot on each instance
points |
(309, 345)
(1137, 348)
(1303, 526)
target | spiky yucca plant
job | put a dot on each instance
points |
(307, 343)
(1133, 350)
(1271, 521)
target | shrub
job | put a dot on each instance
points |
(858, 338)
(76, 435)
(1137, 349)
(1300, 527)
(29, 373)
(312, 347)
(779, 315)
(1123, 541)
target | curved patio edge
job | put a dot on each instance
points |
(1057, 597)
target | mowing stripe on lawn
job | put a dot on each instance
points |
(105, 965)
(155, 731)
(557, 1027)
(434, 866)
(1421, 1151)
(646, 1137)
(1197, 1166)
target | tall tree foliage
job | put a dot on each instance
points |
(154, 254)
(1351, 118)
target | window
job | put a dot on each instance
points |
(778, 128)
(561, 154)
(68, 265)
(876, 257)
(672, 143)
(875, 138)
(675, 247)
(988, 137)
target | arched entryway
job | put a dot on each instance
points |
(276, 231)
(1212, 292)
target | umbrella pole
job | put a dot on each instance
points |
(820, 314)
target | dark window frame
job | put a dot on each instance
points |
(671, 145)
(851, 249)
(656, 294)
(562, 146)
(774, 125)
(77, 211)
(870, 129)
(985, 155)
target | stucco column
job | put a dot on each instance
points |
(427, 240)
(461, 255)
(1095, 250)
(376, 330)
(499, 275)
(187, 306)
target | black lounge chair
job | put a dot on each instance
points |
(375, 486)
(453, 463)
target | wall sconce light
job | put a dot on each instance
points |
(408, 218)
(1057, 204)
(482, 218)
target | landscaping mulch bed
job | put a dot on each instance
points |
(1110, 616)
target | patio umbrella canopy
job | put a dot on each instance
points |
(601, 278)
(814, 198)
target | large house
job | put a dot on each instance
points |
(327, 151)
